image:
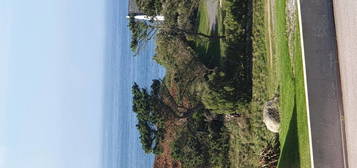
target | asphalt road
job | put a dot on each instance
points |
(346, 29)
(323, 83)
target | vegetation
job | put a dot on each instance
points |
(249, 137)
(150, 118)
(201, 91)
(270, 155)
(221, 96)
(231, 70)
(294, 137)
(202, 143)
(228, 87)
(150, 7)
(141, 32)
(208, 50)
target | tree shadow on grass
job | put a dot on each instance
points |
(214, 50)
(289, 157)
(208, 49)
(238, 58)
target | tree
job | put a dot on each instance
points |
(149, 7)
(150, 120)
(202, 143)
(146, 135)
(143, 31)
(224, 96)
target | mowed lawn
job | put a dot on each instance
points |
(294, 136)
(209, 50)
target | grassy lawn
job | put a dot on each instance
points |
(294, 140)
(209, 50)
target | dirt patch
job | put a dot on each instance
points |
(291, 20)
(165, 160)
(291, 12)
(270, 21)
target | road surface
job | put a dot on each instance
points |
(323, 84)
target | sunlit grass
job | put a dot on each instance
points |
(209, 50)
(294, 140)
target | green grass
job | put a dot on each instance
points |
(203, 25)
(209, 50)
(294, 137)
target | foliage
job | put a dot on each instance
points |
(180, 13)
(230, 85)
(184, 71)
(149, 7)
(270, 154)
(202, 143)
(221, 95)
(141, 32)
(179, 21)
(150, 120)
(249, 135)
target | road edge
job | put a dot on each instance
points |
(305, 83)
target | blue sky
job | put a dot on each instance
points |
(51, 83)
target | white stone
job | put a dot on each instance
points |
(271, 117)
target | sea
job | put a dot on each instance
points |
(121, 144)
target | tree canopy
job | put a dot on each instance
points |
(150, 122)
(202, 143)
(149, 7)
(141, 32)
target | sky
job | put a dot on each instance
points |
(51, 83)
